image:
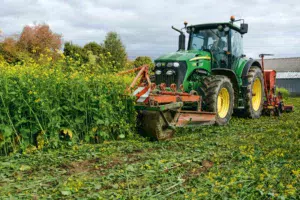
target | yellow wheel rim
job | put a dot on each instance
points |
(256, 94)
(223, 102)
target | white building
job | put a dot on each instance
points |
(288, 73)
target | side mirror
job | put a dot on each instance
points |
(181, 42)
(244, 28)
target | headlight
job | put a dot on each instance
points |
(170, 72)
(158, 72)
(176, 64)
(170, 65)
(158, 64)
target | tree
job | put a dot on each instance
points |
(76, 52)
(94, 47)
(141, 60)
(39, 39)
(8, 49)
(33, 41)
(115, 47)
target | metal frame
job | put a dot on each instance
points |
(274, 104)
(163, 99)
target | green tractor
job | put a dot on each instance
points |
(214, 66)
(203, 84)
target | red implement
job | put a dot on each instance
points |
(161, 108)
(274, 104)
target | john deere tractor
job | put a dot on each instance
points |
(203, 84)
(215, 67)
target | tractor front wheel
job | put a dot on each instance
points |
(219, 97)
(254, 93)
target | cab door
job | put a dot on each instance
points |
(220, 48)
(236, 48)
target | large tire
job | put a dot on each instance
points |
(254, 93)
(218, 97)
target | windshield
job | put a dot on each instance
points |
(208, 39)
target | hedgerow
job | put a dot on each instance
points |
(45, 105)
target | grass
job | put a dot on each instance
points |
(247, 159)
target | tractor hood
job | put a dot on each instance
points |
(182, 55)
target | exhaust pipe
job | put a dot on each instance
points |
(181, 39)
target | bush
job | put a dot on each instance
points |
(41, 105)
(284, 92)
(141, 60)
(75, 52)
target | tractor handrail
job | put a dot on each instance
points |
(129, 71)
(143, 74)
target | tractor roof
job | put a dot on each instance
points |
(215, 25)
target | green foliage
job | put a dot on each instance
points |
(141, 60)
(284, 92)
(65, 100)
(247, 159)
(95, 48)
(92, 53)
(76, 52)
(115, 47)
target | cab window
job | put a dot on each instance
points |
(236, 43)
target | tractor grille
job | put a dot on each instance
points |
(177, 77)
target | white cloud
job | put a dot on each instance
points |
(145, 26)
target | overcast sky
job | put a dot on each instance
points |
(145, 26)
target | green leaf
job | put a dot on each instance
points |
(7, 130)
(99, 122)
(121, 136)
(79, 120)
(130, 168)
(66, 192)
(115, 186)
(25, 167)
(97, 186)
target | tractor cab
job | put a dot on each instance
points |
(222, 40)
(214, 46)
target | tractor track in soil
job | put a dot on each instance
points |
(89, 165)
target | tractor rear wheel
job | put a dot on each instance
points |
(254, 93)
(218, 97)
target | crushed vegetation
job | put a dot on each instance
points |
(247, 159)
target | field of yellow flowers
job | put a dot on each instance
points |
(63, 102)
(247, 159)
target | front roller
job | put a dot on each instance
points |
(159, 122)
(156, 124)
